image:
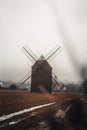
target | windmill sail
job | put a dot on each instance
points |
(55, 79)
(53, 53)
(26, 77)
(29, 54)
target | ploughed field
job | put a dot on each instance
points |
(16, 100)
(19, 111)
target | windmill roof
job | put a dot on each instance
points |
(40, 61)
(42, 58)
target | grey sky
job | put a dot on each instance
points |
(42, 24)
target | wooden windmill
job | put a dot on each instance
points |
(41, 74)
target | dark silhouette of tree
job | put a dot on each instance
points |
(13, 86)
(85, 86)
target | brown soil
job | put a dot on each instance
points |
(15, 100)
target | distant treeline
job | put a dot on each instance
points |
(4, 88)
(12, 87)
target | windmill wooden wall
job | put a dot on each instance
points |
(41, 79)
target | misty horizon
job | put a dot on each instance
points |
(42, 25)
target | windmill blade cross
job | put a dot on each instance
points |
(34, 57)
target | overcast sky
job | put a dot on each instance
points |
(43, 24)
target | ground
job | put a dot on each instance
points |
(12, 101)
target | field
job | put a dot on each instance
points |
(15, 101)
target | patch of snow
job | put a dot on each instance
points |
(5, 117)
(14, 122)
(43, 126)
(34, 113)
(68, 99)
(60, 114)
(68, 108)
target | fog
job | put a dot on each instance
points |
(41, 25)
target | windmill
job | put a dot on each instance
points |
(41, 74)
